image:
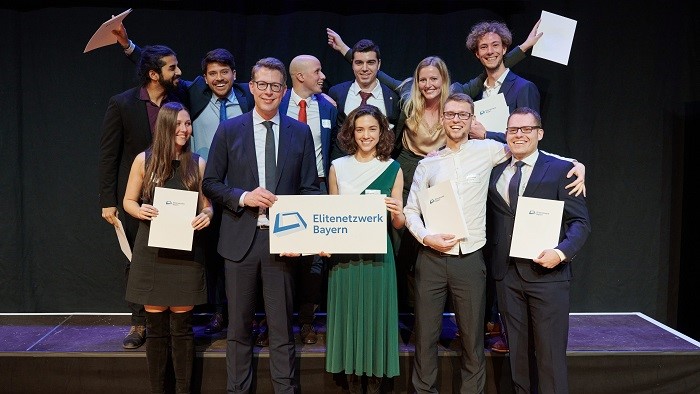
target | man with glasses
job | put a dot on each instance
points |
(533, 294)
(489, 42)
(446, 264)
(253, 157)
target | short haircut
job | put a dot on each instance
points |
(525, 111)
(218, 55)
(460, 97)
(365, 45)
(272, 64)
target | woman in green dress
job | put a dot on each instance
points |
(362, 313)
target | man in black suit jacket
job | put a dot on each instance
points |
(366, 60)
(533, 294)
(489, 41)
(126, 131)
(235, 177)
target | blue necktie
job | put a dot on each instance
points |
(222, 109)
(514, 185)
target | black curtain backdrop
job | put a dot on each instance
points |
(624, 106)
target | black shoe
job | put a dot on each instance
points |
(135, 338)
(308, 334)
(216, 324)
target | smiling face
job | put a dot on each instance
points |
(490, 51)
(365, 66)
(170, 73)
(456, 129)
(430, 82)
(267, 102)
(312, 77)
(523, 145)
(183, 129)
(367, 132)
(219, 78)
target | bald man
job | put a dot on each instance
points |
(321, 113)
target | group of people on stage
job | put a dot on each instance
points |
(239, 145)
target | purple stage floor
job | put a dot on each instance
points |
(624, 352)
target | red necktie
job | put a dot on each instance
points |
(302, 111)
(365, 96)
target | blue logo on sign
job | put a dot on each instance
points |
(288, 223)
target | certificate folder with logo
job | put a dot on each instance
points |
(172, 228)
(537, 226)
(442, 211)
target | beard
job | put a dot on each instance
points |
(168, 84)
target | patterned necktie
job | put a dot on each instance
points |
(222, 109)
(270, 160)
(302, 111)
(365, 96)
(514, 185)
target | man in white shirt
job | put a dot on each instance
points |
(456, 266)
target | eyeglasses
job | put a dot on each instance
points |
(460, 115)
(524, 129)
(274, 86)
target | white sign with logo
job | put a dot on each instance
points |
(332, 224)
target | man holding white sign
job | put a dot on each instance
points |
(253, 157)
(448, 264)
(533, 294)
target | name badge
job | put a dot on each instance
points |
(326, 123)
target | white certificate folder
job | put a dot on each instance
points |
(441, 210)
(537, 226)
(492, 112)
(172, 228)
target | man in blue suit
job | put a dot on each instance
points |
(237, 178)
(533, 294)
(211, 97)
(366, 60)
(306, 102)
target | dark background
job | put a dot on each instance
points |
(624, 106)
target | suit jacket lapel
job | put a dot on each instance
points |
(537, 175)
(249, 146)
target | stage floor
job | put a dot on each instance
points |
(607, 352)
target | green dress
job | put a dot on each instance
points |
(362, 314)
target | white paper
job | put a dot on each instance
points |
(537, 226)
(441, 210)
(172, 228)
(121, 237)
(103, 36)
(555, 43)
(332, 224)
(492, 112)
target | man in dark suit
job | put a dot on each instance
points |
(126, 131)
(211, 97)
(237, 177)
(489, 42)
(533, 295)
(366, 60)
(306, 102)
